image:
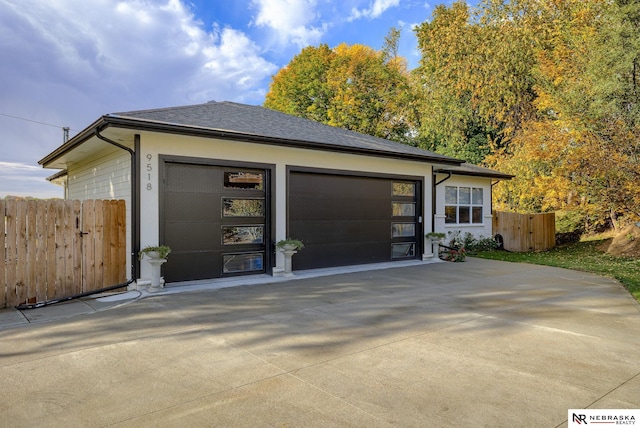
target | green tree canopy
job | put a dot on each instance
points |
(353, 87)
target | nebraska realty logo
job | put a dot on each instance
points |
(599, 417)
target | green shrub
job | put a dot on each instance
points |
(569, 221)
(470, 243)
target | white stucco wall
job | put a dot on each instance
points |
(108, 174)
(153, 145)
(477, 230)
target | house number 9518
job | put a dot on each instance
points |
(149, 169)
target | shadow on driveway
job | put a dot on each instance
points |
(478, 343)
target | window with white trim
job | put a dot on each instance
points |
(463, 205)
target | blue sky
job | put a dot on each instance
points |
(68, 62)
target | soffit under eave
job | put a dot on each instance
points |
(91, 147)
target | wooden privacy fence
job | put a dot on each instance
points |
(525, 232)
(54, 248)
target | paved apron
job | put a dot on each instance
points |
(479, 343)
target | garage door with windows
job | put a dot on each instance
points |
(348, 219)
(215, 219)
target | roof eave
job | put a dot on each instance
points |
(154, 126)
(496, 175)
(74, 142)
(57, 175)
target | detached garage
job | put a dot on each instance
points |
(221, 182)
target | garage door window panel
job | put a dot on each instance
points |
(238, 235)
(236, 207)
(244, 180)
(243, 262)
(404, 189)
(403, 250)
(403, 209)
(403, 230)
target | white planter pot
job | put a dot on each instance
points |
(156, 266)
(288, 251)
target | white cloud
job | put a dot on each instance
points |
(130, 53)
(18, 179)
(68, 62)
(291, 20)
(235, 63)
(376, 8)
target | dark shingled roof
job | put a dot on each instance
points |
(259, 122)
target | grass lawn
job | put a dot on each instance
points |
(586, 256)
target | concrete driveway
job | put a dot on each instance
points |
(480, 343)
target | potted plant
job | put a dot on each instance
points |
(455, 251)
(289, 247)
(434, 239)
(156, 256)
(435, 236)
(290, 244)
(455, 254)
(154, 252)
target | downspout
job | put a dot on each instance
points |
(433, 197)
(134, 238)
(135, 244)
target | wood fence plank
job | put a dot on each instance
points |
(88, 252)
(51, 250)
(76, 226)
(98, 244)
(121, 240)
(3, 255)
(106, 244)
(68, 248)
(11, 240)
(41, 251)
(60, 250)
(114, 244)
(31, 247)
(551, 231)
(21, 252)
(106, 248)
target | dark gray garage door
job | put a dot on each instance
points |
(214, 220)
(346, 220)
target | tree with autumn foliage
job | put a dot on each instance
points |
(301, 88)
(351, 86)
(547, 91)
(475, 76)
